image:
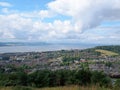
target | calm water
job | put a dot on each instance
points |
(41, 48)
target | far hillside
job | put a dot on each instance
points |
(106, 52)
(112, 48)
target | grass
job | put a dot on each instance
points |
(106, 52)
(16, 88)
(74, 88)
(59, 88)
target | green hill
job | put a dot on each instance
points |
(113, 48)
(106, 52)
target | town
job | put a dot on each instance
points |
(92, 59)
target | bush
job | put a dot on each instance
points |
(117, 83)
(39, 78)
(99, 78)
(46, 78)
(83, 77)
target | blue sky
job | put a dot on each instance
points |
(27, 5)
(72, 21)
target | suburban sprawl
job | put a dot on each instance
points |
(101, 58)
(97, 67)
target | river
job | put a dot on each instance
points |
(8, 49)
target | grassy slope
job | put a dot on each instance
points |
(113, 48)
(106, 52)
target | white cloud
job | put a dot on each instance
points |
(45, 14)
(15, 26)
(85, 14)
(7, 35)
(5, 4)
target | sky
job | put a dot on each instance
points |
(60, 21)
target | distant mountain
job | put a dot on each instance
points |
(23, 43)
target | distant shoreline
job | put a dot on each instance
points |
(45, 47)
(42, 48)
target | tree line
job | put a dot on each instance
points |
(47, 78)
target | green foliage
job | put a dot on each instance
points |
(117, 83)
(39, 78)
(109, 64)
(70, 59)
(2, 70)
(112, 48)
(46, 78)
(84, 66)
(100, 78)
(13, 79)
(83, 77)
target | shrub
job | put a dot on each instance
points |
(117, 83)
(100, 78)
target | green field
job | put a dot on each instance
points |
(106, 52)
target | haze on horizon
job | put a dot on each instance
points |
(76, 21)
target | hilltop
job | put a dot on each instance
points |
(113, 48)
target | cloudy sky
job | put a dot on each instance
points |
(74, 21)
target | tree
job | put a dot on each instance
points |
(39, 78)
(100, 78)
(83, 77)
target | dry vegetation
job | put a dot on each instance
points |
(75, 88)
(106, 52)
(60, 88)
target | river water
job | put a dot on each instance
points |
(8, 49)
